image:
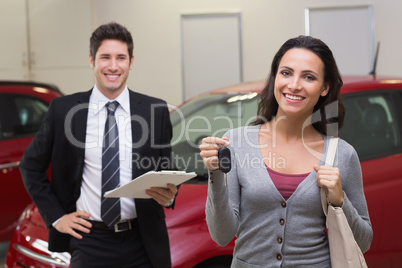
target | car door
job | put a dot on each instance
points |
(20, 119)
(373, 127)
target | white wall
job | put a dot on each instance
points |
(65, 27)
(13, 45)
(50, 36)
(59, 38)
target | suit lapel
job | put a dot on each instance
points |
(137, 111)
(139, 126)
(79, 124)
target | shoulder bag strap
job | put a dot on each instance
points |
(329, 161)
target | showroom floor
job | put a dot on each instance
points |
(3, 251)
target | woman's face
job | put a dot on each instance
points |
(299, 83)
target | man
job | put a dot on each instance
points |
(95, 141)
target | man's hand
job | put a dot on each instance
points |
(74, 221)
(162, 195)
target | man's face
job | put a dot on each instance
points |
(111, 65)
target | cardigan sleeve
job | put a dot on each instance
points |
(354, 205)
(222, 207)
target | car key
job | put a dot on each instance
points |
(225, 162)
(224, 159)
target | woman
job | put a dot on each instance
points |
(272, 199)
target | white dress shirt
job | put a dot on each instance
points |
(90, 198)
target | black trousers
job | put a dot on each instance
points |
(104, 248)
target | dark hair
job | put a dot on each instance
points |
(110, 30)
(268, 106)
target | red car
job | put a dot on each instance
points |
(373, 126)
(22, 106)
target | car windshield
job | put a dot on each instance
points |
(207, 115)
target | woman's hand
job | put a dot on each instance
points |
(209, 151)
(329, 178)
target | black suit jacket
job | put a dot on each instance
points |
(60, 142)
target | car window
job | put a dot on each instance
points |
(20, 115)
(371, 125)
(209, 115)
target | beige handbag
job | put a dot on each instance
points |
(343, 248)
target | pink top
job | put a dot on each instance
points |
(286, 183)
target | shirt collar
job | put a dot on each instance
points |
(97, 100)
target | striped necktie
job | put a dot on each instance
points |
(110, 207)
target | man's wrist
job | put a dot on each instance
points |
(170, 203)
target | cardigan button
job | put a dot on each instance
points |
(279, 239)
(279, 257)
(282, 222)
(283, 203)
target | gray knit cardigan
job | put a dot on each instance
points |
(270, 231)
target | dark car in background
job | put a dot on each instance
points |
(373, 126)
(22, 107)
